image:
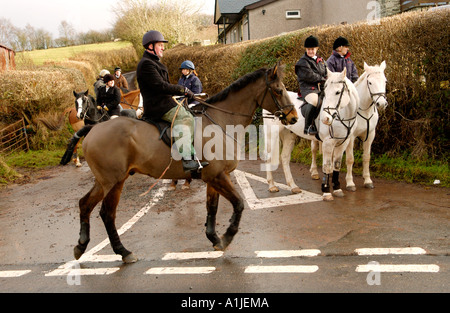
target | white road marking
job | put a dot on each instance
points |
(82, 271)
(386, 251)
(255, 203)
(180, 270)
(259, 269)
(287, 253)
(192, 255)
(398, 268)
(7, 274)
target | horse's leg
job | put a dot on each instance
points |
(75, 157)
(367, 145)
(313, 169)
(212, 201)
(327, 168)
(338, 152)
(349, 160)
(224, 186)
(288, 145)
(87, 204)
(272, 142)
(173, 184)
(108, 215)
(187, 184)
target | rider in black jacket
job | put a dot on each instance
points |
(311, 73)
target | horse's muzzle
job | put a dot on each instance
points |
(288, 115)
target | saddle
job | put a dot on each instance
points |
(163, 128)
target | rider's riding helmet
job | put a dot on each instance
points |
(187, 65)
(107, 78)
(311, 42)
(152, 36)
(340, 41)
(103, 73)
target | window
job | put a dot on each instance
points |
(292, 14)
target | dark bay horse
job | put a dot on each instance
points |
(124, 146)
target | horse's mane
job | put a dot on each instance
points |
(237, 85)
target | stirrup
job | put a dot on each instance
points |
(311, 130)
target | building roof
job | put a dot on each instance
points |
(7, 48)
(229, 9)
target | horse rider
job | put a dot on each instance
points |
(99, 81)
(119, 80)
(340, 59)
(108, 97)
(311, 73)
(190, 80)
(157, 93)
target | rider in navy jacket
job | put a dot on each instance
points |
(340, 59)
(190, 80)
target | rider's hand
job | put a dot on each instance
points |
(188, 93)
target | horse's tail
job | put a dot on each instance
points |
(54, 123)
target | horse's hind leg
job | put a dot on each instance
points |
(212, 201)
(87, 204)
(224, 186)
(108, 215)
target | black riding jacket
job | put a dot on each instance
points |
(156, 89)
(310, 73)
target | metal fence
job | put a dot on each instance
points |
(14, 138)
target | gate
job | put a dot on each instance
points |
(13, 138)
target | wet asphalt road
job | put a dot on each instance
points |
(39, 227)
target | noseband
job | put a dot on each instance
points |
(280, 114)
(377, 94)
(337, 116)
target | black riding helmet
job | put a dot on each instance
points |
(340, 41)
(152, 36)
(311, 42)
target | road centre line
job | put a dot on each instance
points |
(180, 270)
(398, 268)
(259, 269)
(82, 271)
(287, 253)
(192, 255)
(386, 251)
(8, 274)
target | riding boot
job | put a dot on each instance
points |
(69, 151)
(310, 113)
(193, 164)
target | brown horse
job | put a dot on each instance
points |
(135, 148)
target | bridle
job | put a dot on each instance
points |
(347, 123)
(372, 104)
(84, 110)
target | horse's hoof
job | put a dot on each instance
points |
(185, 187)
(315, 176)
(78, 165)
(130, 258)
(172, 188)
(338, 193)
(296, 190)
(327, 197)
(369, 186)
(77, 252)
(274, 189)
(218, 246)
(351, 188)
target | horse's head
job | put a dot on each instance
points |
(376, 84)
(337, 95)
(279, 101)
(82, 103)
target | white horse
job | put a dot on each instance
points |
(371, 87)
(336, 124)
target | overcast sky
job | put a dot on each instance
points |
(84, 15)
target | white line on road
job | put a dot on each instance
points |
(82, 271)
(398, 268)
(7, 274)
(180, 270)
(287, 253)
(260, 269)
(386, 251)
(192, 255)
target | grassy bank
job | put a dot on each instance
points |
(40, 57)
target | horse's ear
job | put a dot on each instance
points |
(366, 67)
(344, 73)
(383, 65)
(75, 94)
(86, 92)
(329, 72)
(276, 70)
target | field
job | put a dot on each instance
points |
(39, 57)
